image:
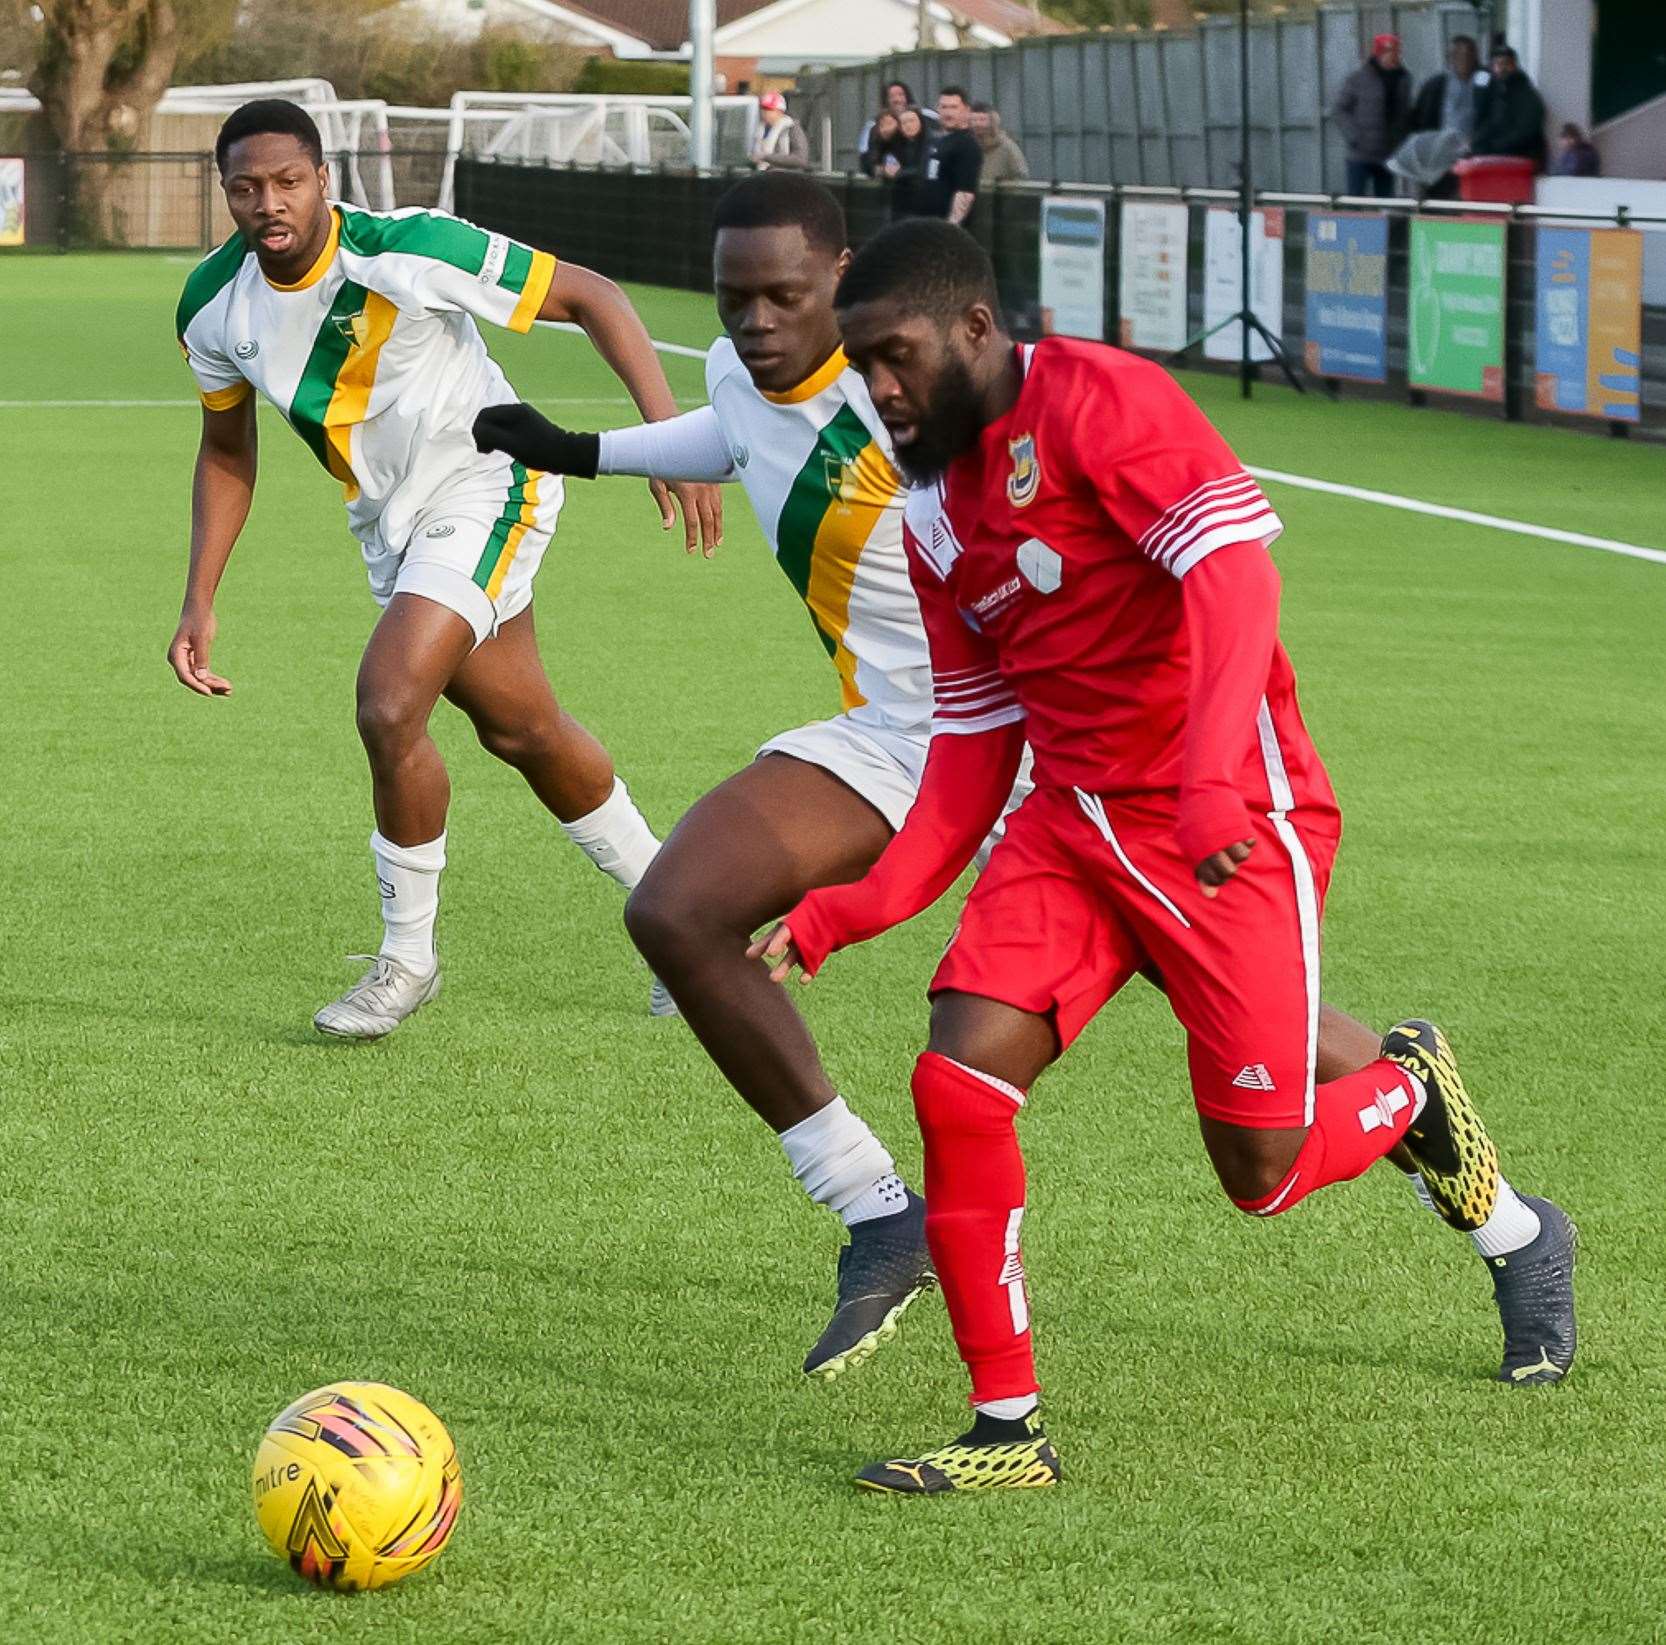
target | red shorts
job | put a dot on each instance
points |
(1081, 894)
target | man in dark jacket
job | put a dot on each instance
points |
(1448, 102)
(1374, 111)
(1510, 115)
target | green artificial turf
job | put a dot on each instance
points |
(548, 1217)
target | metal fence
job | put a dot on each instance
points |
(1154, 109)
(656, 228)
(96, 201)
(172, 202)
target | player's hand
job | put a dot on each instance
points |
(702, 508)
(1215, 870)
(778, 951)
(526, 434)
(188, 654)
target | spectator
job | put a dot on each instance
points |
(781, 144)
(895, 97)
(1576, 154)
(1447, 100)
(878, 155)
(1374, 111)
(1510, 113)
(953, 161)
(1447, 103)
(905, 169)
(1003, 160)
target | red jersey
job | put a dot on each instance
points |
(1049, 563)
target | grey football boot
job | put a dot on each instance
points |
(1534, 1290)
(883, 1269)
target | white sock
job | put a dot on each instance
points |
(615, 837)
(884, 1199)
(1513, 1223)
(1009, 1410)
(409, 878)
(839, 1161)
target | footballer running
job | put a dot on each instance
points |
(794, 424)
(1092, 567)
(360, 327)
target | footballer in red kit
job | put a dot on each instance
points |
(1092, 567)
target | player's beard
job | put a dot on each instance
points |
(949, 425)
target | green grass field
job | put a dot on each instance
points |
(547, 1216)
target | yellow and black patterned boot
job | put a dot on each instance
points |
(1454, 1154)
(991, 1455)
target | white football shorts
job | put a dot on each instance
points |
(884, 766)
(474, 552)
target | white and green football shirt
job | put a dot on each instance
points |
(817, 468)
(373, 356)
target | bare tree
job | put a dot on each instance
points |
(103, 67)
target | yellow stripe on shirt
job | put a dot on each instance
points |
(867, 487)
(350, 400)
(823, 377)
(533, 293)
(223, 399)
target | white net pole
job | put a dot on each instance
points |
(702, 26)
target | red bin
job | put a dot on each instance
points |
(1502, 178)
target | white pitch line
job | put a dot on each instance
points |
(664, 348)
(1386, 499)
(176, 405)
(87, 405)
(1358, 494)
(1522, 528)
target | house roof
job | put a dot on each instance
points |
(1008, 17)
(663, 24)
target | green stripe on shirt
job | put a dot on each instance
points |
(318, 380)
(813, 492)
(516, 266)
(426, 234)
(207, 280)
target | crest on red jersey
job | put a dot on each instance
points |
(1025, 479)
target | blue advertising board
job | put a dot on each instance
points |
(1588, 336)
(1347, 295)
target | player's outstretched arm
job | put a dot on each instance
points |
(967, 780)
(221, 491)
(691, 446)
(604, 313)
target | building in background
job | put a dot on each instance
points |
(1159, 107)
(759, 42)
(1601, 64)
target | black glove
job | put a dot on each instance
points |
(531, 438)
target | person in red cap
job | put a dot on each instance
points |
(1374, 111)
(781, 143)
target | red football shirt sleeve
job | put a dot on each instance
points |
(976, 746)
(966, 782)
(1231, 604)
(1162, 472)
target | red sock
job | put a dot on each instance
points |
(974, 1180)
(1356, 1120)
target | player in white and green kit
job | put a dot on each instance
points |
(793, 424)
(360, 328)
